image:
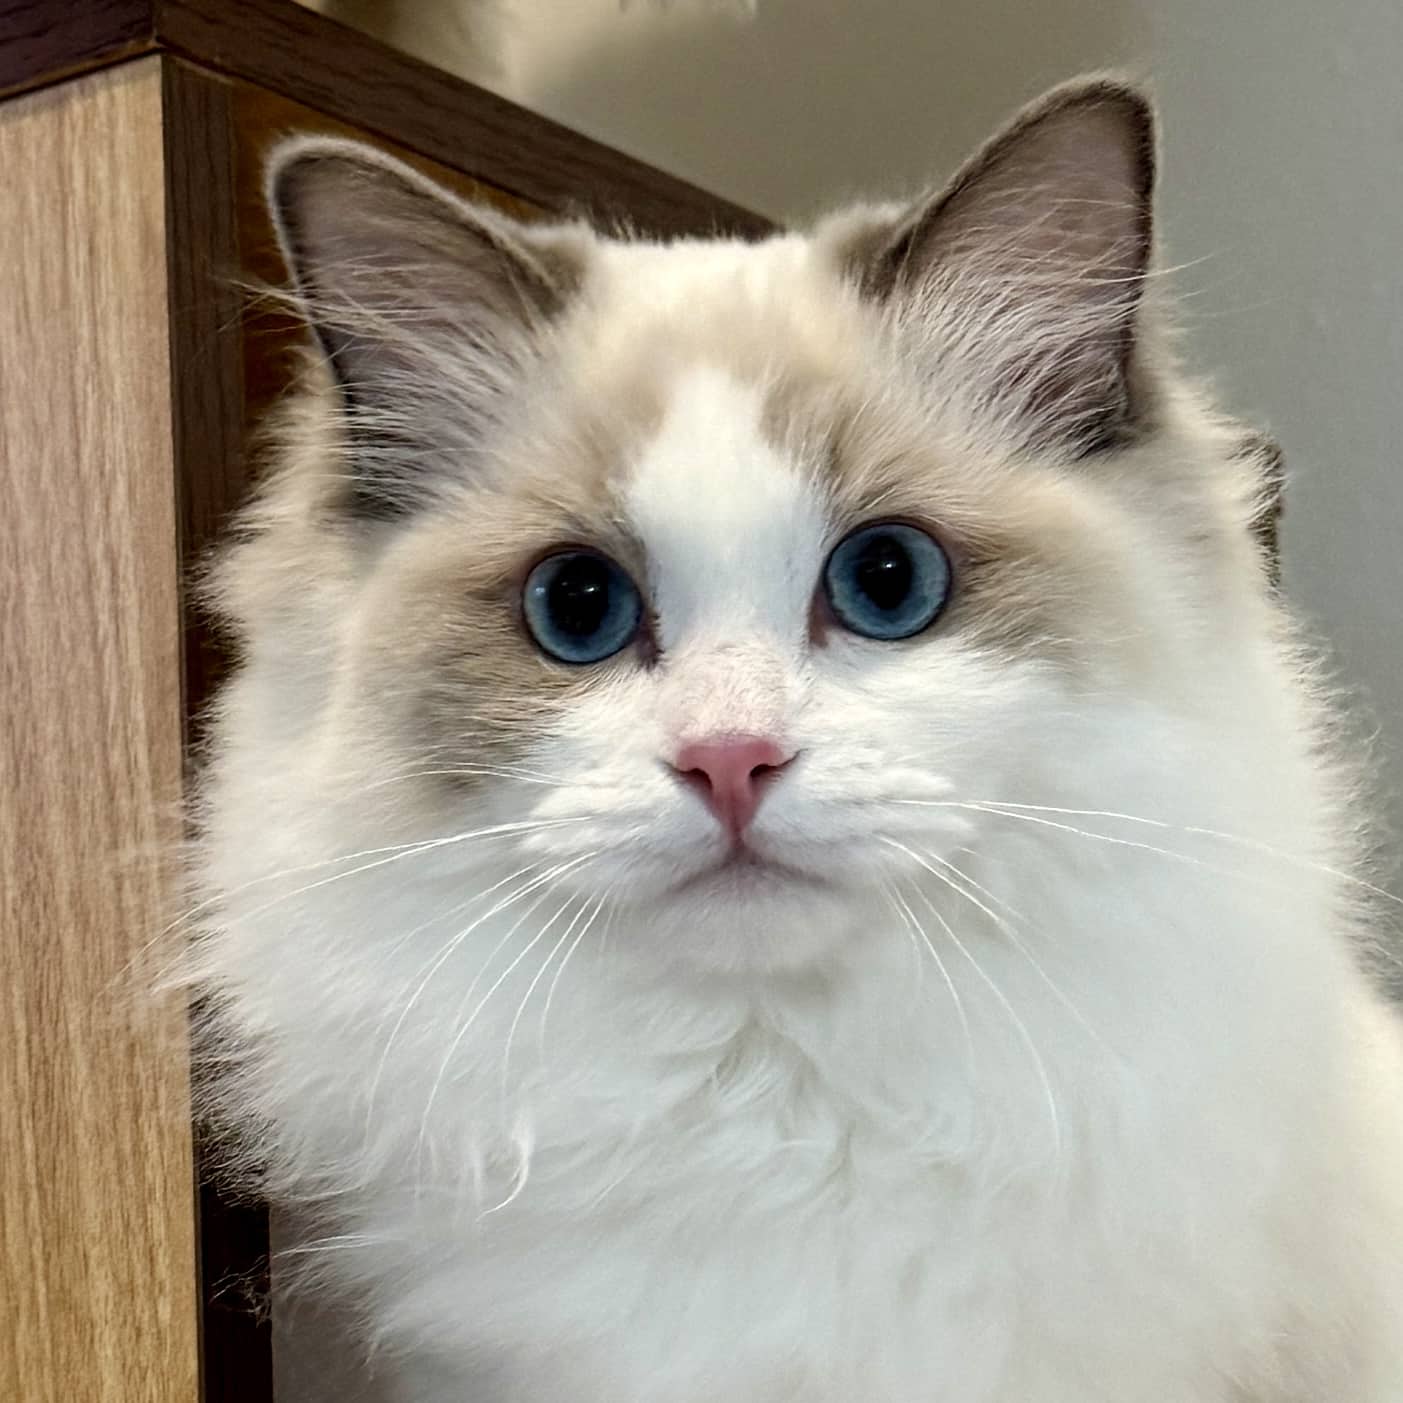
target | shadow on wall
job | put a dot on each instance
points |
(786, 106)
(812, 102)
(463, 36)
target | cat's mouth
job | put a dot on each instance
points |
(743, 870)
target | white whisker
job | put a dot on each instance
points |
(472, 772)
(1029, 813)
(956, 874)
(1253, 844)
(1019, 1025)
(482, 1003)
(398, 853)
(446, 953)
(409, 935)
(915, 925)
(918, 963)
(550, 992)
(538, 976)
(1108, 838)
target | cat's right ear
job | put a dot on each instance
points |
(427, 308)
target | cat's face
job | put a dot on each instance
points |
(744, 766)
(744, 578)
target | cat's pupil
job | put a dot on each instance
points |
(578, 598)
(883, 572)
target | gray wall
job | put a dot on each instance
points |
(1284, 158)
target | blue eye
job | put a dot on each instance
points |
(580, 607)
(887, 581)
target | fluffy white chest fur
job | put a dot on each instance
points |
(1094, 1176)
(772, 841)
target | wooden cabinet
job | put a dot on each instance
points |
(132, 363)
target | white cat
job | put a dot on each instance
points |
(772, 840)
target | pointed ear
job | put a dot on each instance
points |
(1027, 271)
(427, 308)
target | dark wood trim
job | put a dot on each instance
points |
(356, 79)
(207, 400)
(352, 77)
(206, 337)
(43, 41)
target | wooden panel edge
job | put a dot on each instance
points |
(355, 78)
(98, 1269)
(205, 308)
(48, 41)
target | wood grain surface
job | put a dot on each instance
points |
(97, 1257)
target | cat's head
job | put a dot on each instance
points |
(743, 576)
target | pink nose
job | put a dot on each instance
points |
(732, 773)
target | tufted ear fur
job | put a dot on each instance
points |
(1263, 452)
(427, 308)
(1029, 266)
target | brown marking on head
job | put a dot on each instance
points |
(1029, 579)
(445, 613)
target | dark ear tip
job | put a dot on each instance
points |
(1128, 102)
(296, 165)
(1103, 90)
(311, 183)
(1131, 102)
(292, 160)
(286, 173)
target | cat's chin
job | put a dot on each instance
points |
(748, 914)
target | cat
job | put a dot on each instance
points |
(773, 838)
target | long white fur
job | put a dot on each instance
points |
(1064, 1085)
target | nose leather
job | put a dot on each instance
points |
(731, 774)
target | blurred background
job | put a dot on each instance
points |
(1281, 192)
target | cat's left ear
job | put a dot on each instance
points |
(1027, 270)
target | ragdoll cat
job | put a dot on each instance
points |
(772, 840)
